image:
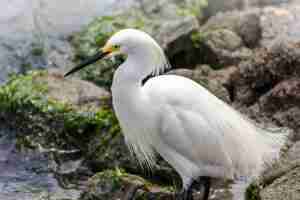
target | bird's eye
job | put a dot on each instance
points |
(116, 46)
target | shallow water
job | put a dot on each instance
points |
(43, 24)
(27, 175)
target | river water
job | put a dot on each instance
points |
(26, 24)
(27, 175)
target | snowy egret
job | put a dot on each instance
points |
(199, 135)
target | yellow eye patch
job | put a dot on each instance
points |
(110, 48)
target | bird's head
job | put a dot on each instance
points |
(133, 44)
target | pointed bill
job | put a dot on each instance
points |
(99, 55)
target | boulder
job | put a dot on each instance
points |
(227, 38)
(117, 184)
(280, 23)
(223, 48)
(63, 117)
(282, 182)
(264, 70)
(244, 23)
(282, 104)
(215, 6)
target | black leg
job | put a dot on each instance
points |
(185, 194)
(206, 183)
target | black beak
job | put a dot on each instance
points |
(87, 62)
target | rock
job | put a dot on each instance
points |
(284, 95)
(283, 182)
(226, 38)
(176, 39)
(57, 116)
(280, 23)
(260, 26)
(249, 29)
(267, 68)
(245, 24)
(116, 185)
(216, 6)
(223, 48)
(282, 104)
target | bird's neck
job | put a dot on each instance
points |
(129, 98)
(127, 83)
(129, 76)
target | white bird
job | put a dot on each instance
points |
(199, 135)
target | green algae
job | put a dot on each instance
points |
(252, 192)
(25, 105)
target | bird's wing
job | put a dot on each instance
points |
(186, 122)
(204, 129)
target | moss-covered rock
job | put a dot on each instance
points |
(72, 120)
(117, 184)
(221, 48)
(40, 106)
(69, 118)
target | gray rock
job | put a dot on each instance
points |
(216, 6)
(264, 70)
(283, 181)
(228, 38)
(280, 23)
(284, 95)
(245, 23)
(224, 48)
(176, 39)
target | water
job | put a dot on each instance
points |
(41, 26)
(27, 175)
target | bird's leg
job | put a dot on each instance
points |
(186, 193)
(206, 183)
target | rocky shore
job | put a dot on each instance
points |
(248, 58)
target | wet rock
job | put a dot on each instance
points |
(117, 184)
(57, 116)
(120, 185)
